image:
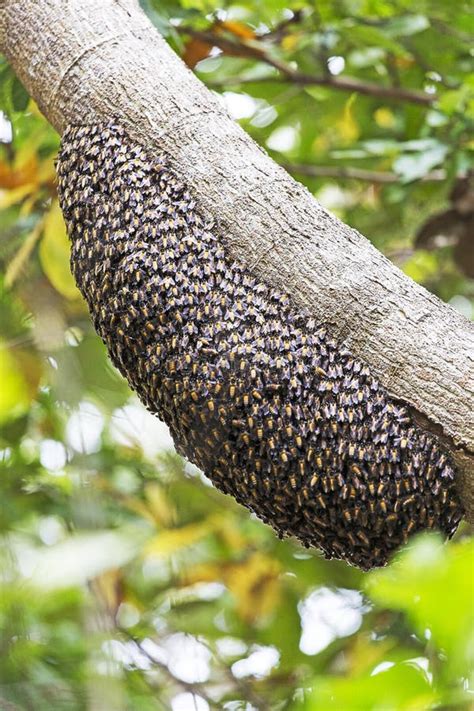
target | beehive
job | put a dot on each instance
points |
(259, 396)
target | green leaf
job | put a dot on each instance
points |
(14, 396)
(406, 25)
(6, 81)
(455, 100)
(415, 166)
(434, 585)
(83, 556)
(374, 37)
(20, 96)
(13, 95)
(54, 254)
(402, 687)
(421, 266)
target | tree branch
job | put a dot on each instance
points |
(371, 176)
(256, 51)
(85, 60)
(338, 83)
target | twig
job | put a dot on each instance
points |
(192, 688)
(339, 84)
(8, 705)
(371, 176)
(241, 685)
(255, 50)
(445, 29)
(280, 30)
(21, 257)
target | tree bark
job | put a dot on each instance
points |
(85, 60)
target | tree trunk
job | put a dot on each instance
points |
(85, 60)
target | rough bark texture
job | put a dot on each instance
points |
(84, 60)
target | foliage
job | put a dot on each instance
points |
(127, 582)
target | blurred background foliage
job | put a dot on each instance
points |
(126, 581)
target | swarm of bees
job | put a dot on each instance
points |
(256, 394)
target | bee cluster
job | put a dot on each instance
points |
(259, 396)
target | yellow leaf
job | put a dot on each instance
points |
(27, 153)
(171, 540)
(31, 367)
(108, 587)
(404, 62)
(205, 573)
(363, 655)
(254, 583)
(256, 586)
(15, 176)
(157, 509)
(47, 171)
(236, 28)
(384, 117)
(140, 508)
(290, 42)
(230, 534)
(159, 505)
(16, 195)
(321, 143)
(347, 126)
(28, 204)
(54, 253)
(14, 395)
(21, 257)
(195, 50)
